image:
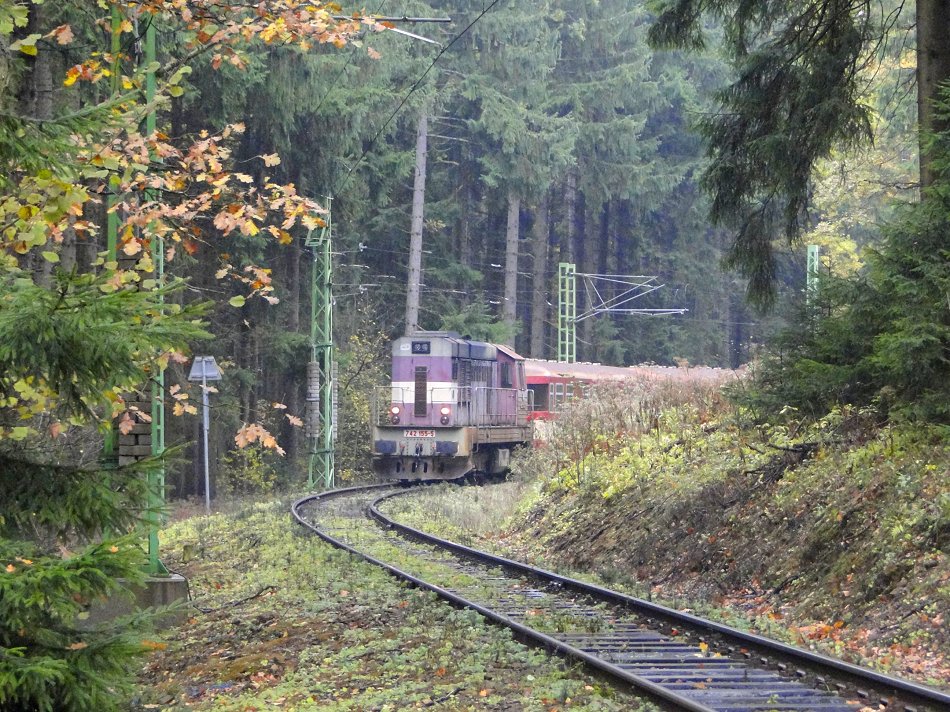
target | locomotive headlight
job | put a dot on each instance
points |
(394, 410)
(445, 410)
(394, 415)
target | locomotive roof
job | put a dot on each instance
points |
(460, 347)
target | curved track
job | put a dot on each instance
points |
(676, 658)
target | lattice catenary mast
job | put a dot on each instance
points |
(634, 287)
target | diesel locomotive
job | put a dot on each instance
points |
(453, 406)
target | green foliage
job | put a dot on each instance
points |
(474, 322)
(49, 659)
(796, 96)
(881, 337)
(46, 342)
(246, 471)
(362, 365)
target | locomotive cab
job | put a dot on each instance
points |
(453, 406)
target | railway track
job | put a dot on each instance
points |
(677, 659)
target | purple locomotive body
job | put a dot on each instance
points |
(454, 406)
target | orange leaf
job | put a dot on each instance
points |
(483, 693)
(125, 424)
(78, 646)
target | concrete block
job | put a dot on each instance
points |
(158, 591)
(135, 451)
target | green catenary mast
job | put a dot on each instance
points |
(320, 370)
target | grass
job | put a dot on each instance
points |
(283, 621)
(846, 551)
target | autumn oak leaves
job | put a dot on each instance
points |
(163, 193)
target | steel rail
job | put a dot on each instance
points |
(524, 632)
(853, 673)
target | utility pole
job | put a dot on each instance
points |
(416, 226)
(321, 409)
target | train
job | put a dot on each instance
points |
(455, 406)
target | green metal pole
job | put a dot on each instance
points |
(811, 273)
(109, 456)
(156, 475)
(320, 375)
(567, 313)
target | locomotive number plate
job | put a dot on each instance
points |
(420, 433)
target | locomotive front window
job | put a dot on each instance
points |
(506, 375)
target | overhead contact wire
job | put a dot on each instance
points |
(411, 91)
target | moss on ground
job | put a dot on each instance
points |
(283, 621)
(834, 536)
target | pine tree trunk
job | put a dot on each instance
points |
(466, 209)
(539, 281)
(509, 309)
(586, 263)
(933, 67)
(36, 101)
(570, 217)
(415, 232)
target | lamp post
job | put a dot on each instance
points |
(204, 369)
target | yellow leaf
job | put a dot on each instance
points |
(78, 646)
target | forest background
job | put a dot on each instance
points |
(550, 131)
(553, 133)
